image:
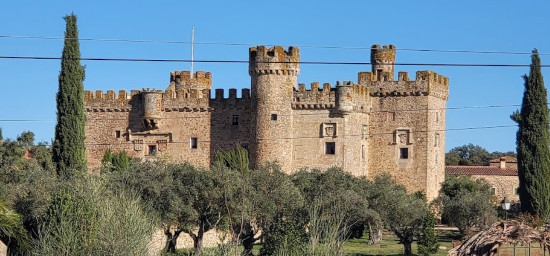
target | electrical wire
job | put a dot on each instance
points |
(276, 62)
(250, 44)
(345, 135)
(299, 114)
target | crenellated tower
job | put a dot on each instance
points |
(274, 73)
(382, 60)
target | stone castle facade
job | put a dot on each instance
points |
(373, 126)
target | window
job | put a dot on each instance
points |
(493, 191)
(363, 152)
(235, 120)
(274, 117)
(516, 191)
(390, 116)
(194, 143)
(330, 148)
(403, 153)
(152, 150)
(379, 74)
(117, 134)
(364, 132)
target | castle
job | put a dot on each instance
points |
(373, 126)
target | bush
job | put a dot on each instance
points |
(466, 203)
(86, 218)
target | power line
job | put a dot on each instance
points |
(303, 114)
(346, 135)
(250, 44)
(275, 62)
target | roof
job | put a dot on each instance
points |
(480, 170)
(508, 159)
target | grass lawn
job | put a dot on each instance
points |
(388, 246)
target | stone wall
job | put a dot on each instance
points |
(504, 186)
(211, 238)
(3, 249)
(377, 125)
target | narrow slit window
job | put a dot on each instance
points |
(330, 148)
(194, 143)
(235, 120)
(403, 153)
(274, 117)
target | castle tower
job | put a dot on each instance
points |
(274, 73)
(152, 108)
(183, 84)
(382, 60)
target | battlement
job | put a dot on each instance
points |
(431, 77)
(386, 54)
(275, 60)
(314, 87)
(232, 101)
(367, 77)
(199, 78)
(421, 76)
(346, 93)
(426, 83)
(107, 101)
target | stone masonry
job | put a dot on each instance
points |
(373, 126)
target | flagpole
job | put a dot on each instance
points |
(192, 48)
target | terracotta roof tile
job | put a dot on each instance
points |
(480, 170)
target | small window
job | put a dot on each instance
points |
(379, 74)
(403, 153)
(390, 116)
(363, 152)
(274, 117)
(235, 120)
(194, 143)
(152, 150)
(516, 191)
(117, 134)
(330, 148)
(493, 191)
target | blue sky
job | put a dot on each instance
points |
(29, 86)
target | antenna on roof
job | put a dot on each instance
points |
(192, 48)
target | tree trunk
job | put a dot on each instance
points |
(408, 248)
(375, 235)
(406, 238)
(197, 241)
(248, 244)
(171, 239)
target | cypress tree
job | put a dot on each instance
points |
(68, 146)
(533, 143)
